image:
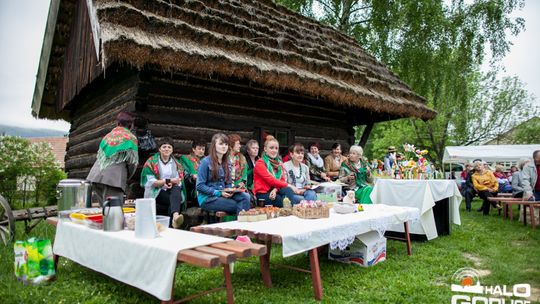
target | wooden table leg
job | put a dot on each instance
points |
(531, 211)
(265, 265)
(511, 212)
(228, 283)
(407, 237)
(315, 274)
(56, 259)
(524, 215)
(505, 210)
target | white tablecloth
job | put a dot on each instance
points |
(148, 264)
(421, 194)
(299, 235)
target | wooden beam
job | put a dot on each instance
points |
(241, 252)
(365, 135)
(198, 258)
(225, 257)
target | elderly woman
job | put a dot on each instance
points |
(162, 178)
(356, 174)
(315, 163)
(517, 179)
(238, 162)
(269, 177)
(298, 174)
(486, 185)
(332, 162)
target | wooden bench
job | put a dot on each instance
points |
(211, 256)
(214, 216)
(508, 202)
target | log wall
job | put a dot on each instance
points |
(187, 108)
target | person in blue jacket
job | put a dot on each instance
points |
(214, 182)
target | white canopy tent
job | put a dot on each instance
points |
(488, 153)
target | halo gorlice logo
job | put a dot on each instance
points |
(466, 282)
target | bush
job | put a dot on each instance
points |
(28, 171)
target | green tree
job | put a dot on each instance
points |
(437, 47)
(528, 132)
(28, 170)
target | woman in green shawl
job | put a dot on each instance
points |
(117, 159)
(162, 178)
(356, 174)
(238, 162)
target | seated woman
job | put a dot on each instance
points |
(486, 185)
(298, 174)
(356, 174)
(517, 179)
(191, 165)
(238, 162)
(162, 177)
(316, 163)
(502, 179)
(269, 178)
(252, 156)
(215, 177)
(332, 162)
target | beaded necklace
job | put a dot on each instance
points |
(300, 173)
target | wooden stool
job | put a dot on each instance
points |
(214, 216)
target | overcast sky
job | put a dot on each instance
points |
(22, 24)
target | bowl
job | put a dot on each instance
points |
(163, 220)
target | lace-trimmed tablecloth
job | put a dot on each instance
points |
(148, 264)
(299, 235)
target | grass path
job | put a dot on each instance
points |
(504, 252)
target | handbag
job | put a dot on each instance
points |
(147, 142)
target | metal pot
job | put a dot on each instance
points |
(74, 194)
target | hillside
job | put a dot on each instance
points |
(30, 132)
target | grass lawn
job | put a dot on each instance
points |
(506, 253)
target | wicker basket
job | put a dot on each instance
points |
(311, 213)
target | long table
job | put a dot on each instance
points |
(149, 264)
(421, 194)
(300, 235)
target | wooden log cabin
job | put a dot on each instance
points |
(191, 68)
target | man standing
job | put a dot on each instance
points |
(116, 161)
(531, 178)
(390, 160)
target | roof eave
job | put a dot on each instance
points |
(44, 60)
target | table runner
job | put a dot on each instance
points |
(421, 194)
(148, 264)
(299, 235)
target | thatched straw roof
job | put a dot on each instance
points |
(255, 40)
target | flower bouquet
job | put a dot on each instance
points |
(415, 165)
